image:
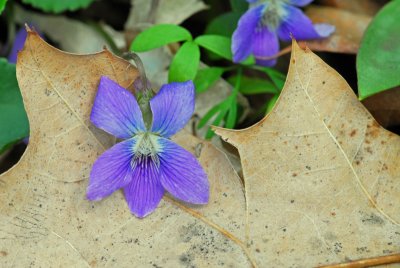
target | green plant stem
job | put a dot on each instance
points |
(145, 93)
(106, 36)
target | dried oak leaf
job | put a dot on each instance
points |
(385, 107)
(350, 28)
(322, 178)
(144, 12)
(46, 220)
(367, 7)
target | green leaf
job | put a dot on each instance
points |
(210, 133)
(58, 6)
(158, 36)
(249, 61)
(13, 120)
(203, 121)
(251, 85)
(271, 103)
(206, 77)
(277, 78)
(232, 114)
(185, 63)
(2, 5)
(239, 5)
(217, 44)
(224, 24)
(378, 60)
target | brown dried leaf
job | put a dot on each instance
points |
(321, 176)
(367, 7)
(46, 220)
(349, 31)
(385, 107)
(71, 35)
(144, 12)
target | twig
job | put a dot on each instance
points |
(367, 262)
(139, 65)
(283, 51)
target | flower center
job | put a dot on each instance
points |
(146, 146)
(273, 14)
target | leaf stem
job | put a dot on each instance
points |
(375, 261)
(139, 64)
(144, 93)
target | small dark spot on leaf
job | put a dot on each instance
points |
(185, 258)
(371, 219)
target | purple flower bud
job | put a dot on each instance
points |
(138, 85)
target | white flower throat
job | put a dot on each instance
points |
(273, 14)
(147, 146)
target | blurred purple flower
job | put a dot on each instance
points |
(18, 45)
(147, 163)
(259, 28)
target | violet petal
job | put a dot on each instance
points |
(266, 44)
(116, 110)
(300, 3)
(111, 171)
(172, 108)
(324, 29)
(145, 191)
(297, 24)
(181, 174)
(18, 45)
(242, 38)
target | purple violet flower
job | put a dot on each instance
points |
(147, 163)
(259, 28)
(18, 45)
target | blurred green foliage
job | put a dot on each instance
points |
(58, 6)
(378, 61)
(14, 124)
